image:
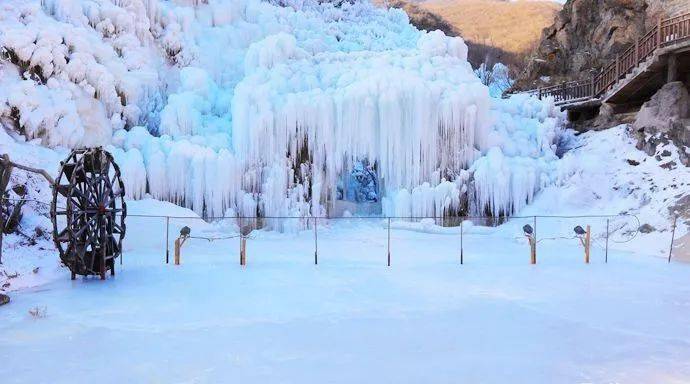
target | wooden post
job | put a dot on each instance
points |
(673, 235)
(606, 257)
(617, 69)
(461, 246)
(672, 70)
(389, 242)
(103, 250)
(243, 243)
(167, 240)
(588, 239)
(659, 40)
(5, 173)
(316, 243)
(178, 245)
(532, 250)
(637, 52)
(243, 250)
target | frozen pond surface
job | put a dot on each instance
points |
(351, 319)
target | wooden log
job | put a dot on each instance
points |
(7, 162)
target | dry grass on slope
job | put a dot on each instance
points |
(513, 27)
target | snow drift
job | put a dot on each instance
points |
(249, 107)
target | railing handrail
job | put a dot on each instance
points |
(666, 32)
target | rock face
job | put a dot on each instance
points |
(666, 116)
(588, 33)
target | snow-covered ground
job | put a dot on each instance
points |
(495, 319)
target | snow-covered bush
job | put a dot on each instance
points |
(497, 78)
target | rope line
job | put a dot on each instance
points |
(210, 239)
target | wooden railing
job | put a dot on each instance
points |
(571, 91)
(666, 33)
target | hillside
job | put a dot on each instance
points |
(587, 34)
(505, 31)
(511, 26)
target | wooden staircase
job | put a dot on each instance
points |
(637, 72)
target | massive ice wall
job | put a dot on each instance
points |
(250, 107)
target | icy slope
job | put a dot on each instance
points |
(249, 107)
(606, 174)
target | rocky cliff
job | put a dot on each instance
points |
(586, 34)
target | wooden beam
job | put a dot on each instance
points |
(5, 159)
(672, 68)
(5, 173)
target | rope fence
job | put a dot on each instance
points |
(309, 222)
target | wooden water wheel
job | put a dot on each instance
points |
(89, 228)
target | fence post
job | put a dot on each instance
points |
(534, 245)
(618, 73)
(241, 231)
(673, 235)
(243, 249)
(178, 245)
(462, 219)
(167, 239)
(316, 243)
(637, 52)
(606, 255)
(588, 239)
(389, 241)
(658, 35)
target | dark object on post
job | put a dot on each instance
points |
(579, 231)
(185, 231)
(528, 230)
(88, 232)
(4, 299)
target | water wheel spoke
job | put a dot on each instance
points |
(84, 227)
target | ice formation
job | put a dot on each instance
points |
(249, 107)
